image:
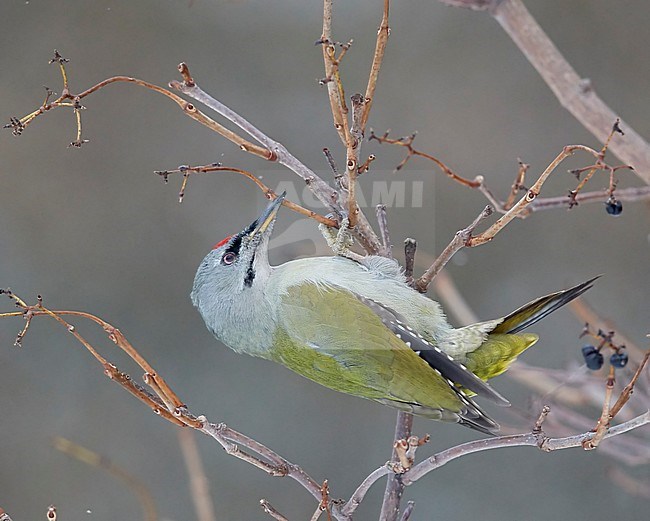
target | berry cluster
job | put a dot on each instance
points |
(592, 353)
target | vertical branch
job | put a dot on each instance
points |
(395, 486)
(410, 247)
(352, 159)
(380, 48)
(329, 58)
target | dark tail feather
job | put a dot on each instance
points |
(538, 309)
(482, 423)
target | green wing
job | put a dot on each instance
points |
(331, 337)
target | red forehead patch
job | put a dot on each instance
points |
(222, 242)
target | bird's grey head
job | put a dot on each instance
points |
(238, 264)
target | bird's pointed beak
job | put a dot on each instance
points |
(267, 218)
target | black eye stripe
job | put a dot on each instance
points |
(250, 273)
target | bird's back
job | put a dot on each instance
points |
(376, 278)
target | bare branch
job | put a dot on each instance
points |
(332, 78)
(166, 404)
(633, 194)
(264, 458)
(407, 142)
(383, 32)
(629, 388)
(270, 510)
(574, 93)
(275, 151)
(406, 515)
(410, 247)
(268, 192)
(361, 491)
(605, 417)
(529, 197)
(518, 440)
(461, 239)
(395, 485)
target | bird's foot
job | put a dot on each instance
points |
(341, 240)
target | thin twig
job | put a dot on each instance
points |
(361, 491)
(406, 515)
(163, 404)
(188, 109)
(529, 197)
(517, 185)
(586, 314)
(461, 239)
(270, 510)
(629, 388)
(574, 198)
(383, 32)
(268, 192)
(634, 194)
(274, 150)
(278, 152)
(332, 164)
(407, 142)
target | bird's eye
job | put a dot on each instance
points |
(228, 258)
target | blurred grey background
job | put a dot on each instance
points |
(95, 229)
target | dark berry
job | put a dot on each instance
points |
(588, 349)
(618, 359)
(593, 358)
(614, 207)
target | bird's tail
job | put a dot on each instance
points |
(506, 342)
(536, 310)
